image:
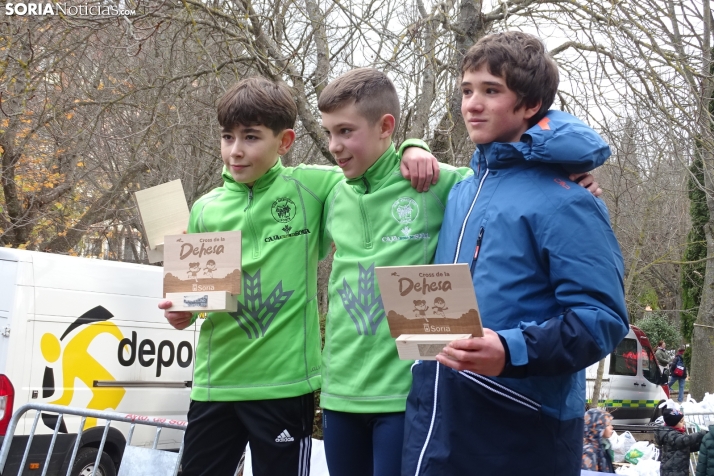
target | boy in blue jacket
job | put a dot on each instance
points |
(547, 271)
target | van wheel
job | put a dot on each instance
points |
(84, 464)
(656, 413)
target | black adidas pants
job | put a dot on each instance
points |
(278, 431)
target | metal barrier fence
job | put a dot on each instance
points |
(136, 461)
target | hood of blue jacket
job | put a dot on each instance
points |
(559, 138)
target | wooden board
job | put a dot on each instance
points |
(429, 299)
(424, 346)
(163, 211)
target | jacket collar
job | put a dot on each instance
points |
(558, 138)
(263, 182)
(374, 176)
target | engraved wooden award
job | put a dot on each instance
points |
(163, 211)
(202, 271)
(428, 306)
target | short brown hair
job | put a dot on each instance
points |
(372, 92)
(520, 59)
(257, 101)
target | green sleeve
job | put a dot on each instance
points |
(325, 237)
(321, 181)
(413, 143)
(464, 172)
(192, 220)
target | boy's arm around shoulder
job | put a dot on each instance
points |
(449, 176)
(320, 181)
(317, 179)
(586, 273)
(419, 165)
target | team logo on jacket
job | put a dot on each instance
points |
(283, 210)
(255, 314)
(364, 308)
(405, 210)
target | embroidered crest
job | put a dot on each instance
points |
(283, 210)
(405, 210)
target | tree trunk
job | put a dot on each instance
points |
(701, 371)
(595, 398)
(451, 129)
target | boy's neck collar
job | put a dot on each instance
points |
(379, 169)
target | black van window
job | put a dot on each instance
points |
(650, 369)
(623, 360)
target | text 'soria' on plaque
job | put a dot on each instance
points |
(163, 211)
(202, 271)
(428, 306)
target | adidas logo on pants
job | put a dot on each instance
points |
(284, 437)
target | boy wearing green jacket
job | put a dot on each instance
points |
(256, 369)
(375, 218)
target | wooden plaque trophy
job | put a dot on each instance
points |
(428, 306)
(202, 271)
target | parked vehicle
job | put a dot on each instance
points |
(87, 333)
(632, 381)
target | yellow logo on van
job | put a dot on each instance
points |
(77, 363)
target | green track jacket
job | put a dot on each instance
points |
(270, 348)
(374, 220)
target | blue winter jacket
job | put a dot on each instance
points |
(549, 273)
(548, 276)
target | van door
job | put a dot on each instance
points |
(650, 369)
(8, 273)
(624, 378)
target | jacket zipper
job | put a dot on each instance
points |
(365, 224)
(466, 219)
(249, 215)
(478, 248)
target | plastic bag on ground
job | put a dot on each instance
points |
(641, 450)
(621, 445)
(627, 471)
(645, 467)
(690, 405)
(707, 403)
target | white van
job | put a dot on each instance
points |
(87, 333)
(631, 389)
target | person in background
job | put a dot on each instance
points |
(678, 372)
(597, 454)
(675, 444)
(661, 354)
(705, 464)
